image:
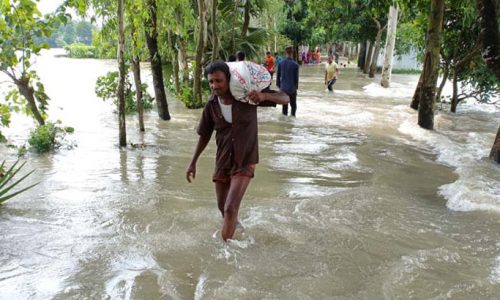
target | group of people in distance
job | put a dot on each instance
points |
(235, 126)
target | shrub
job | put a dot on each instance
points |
(47, 137)
(107, 85)
(43, 138)
(81, 51)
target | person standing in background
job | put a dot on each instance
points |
(331, 73)
(270, 63)
(278, 58)
(240, 55)
(287, 79)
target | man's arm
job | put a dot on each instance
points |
(191, 169)
(277, 97)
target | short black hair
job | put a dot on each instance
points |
(231, 57)
(268, 53)
(218, 65)
(240, 55)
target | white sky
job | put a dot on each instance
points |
(48, 6)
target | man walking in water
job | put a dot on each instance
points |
(235, 124)
(331, 73)
(287, 79)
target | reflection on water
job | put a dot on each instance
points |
(351, 200)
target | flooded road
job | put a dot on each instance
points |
(351, 200)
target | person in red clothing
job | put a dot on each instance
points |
(270, 66)
(235, 125)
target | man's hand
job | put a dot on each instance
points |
(191, 173)
(257, 97)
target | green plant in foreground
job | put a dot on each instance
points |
(6, 179)
(43, 138)
(48, 137)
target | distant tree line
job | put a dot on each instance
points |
(69, 33)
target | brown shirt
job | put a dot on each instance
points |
(237, 142)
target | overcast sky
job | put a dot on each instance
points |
(48, 6)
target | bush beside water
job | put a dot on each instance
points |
(47, 137)
(81, 51)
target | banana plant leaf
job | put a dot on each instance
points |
(7, 182)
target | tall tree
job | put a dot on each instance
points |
(295, 27)
(369, 56)
(213, 20)
(389, 45)
(136, 61)
(155, 59)
(20, 23)
(200, 49)
(121, 77)
(490, 38)
(378, 38)
(431, 66)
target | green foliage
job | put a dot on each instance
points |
(406, 71)
(69, 33)
(6, 184)
(46, 138)
(21, 23)
(81, 51)
(186, 95)
(105, 43)
(296, 28)
(107, 85)
(460, 48)
(43, 138)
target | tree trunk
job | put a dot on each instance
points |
(495, 150)
(373, 67)
(136, 69)
(155, 58)
(348, 50)
(215, 41)
(390, 42)
(233, 32)
(246, 19)
(454, 97)
(183, 63)
(369, 58)
(29, 94)
(431, 66)
(490, 37)
(362, 55)
(418, 92)
(199, 54)
(446, 71)
(172, 38)
(121, 77)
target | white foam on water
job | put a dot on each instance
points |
(495, 273)
(127, 269)
(467, 152)
(396, 90)
(200, 287)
